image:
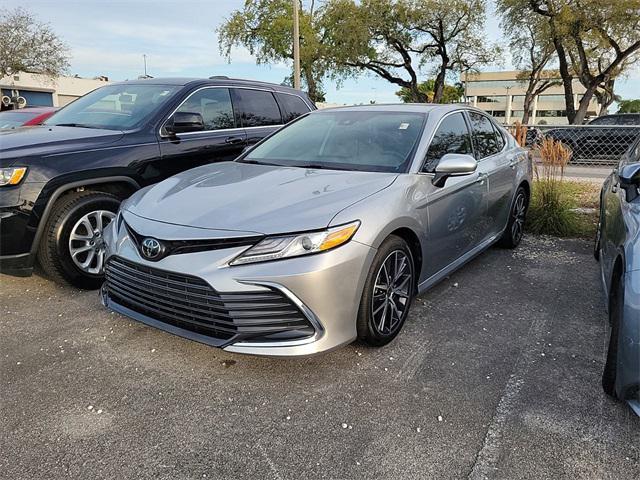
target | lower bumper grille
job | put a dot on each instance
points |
(190, 303)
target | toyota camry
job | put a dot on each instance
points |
(322, 233)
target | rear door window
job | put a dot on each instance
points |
(256, 108)
(485, 139)
(214, 104)
(292, 106)
(452, 136)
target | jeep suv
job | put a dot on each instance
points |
(61, 183)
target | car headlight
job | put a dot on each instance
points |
(295, 245)
(11, 176)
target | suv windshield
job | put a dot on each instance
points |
(344, 140)
(114, 107)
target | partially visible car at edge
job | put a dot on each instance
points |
(61, 183)
(320, 234)
(25, 117)
(617, 247)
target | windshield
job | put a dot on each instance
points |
(344, 140)
(114, 107)
(13, 119)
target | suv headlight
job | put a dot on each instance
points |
(11, 176)
(295, 245)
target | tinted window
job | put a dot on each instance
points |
(452, 136)
(363, 140)
(485, 139)
(629, 120)
(214, 104)
(499, 137)
(292, 105)
(603, 121)
(255, 108)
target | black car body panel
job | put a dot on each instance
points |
(63, 158)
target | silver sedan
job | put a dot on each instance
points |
(321, 234)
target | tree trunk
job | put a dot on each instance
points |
(438, 89)
(567, 80)
(527, 109)
(584, 104)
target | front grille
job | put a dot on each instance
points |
(191, 303)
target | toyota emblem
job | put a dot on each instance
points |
(151, 248)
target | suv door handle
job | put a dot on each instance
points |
(232, 140)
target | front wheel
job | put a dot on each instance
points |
(512, 235)
(388, 293)
(72, 248)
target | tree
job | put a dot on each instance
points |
(629, 106)
(532, 50)
(455, 40)
(594, 41)
(394, 39)
(265, 28)
(451, 93)
(27, 45)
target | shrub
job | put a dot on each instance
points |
(551, 211)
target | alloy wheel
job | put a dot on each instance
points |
(392, 293)
(518, 214)
(86, 243)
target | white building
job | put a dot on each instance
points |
(502, 95)
(42, 91)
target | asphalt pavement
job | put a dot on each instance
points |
(495, 375)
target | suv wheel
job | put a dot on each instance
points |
(388, 293)
(72, 249)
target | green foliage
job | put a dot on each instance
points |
(551, 211)
(27, 45)
(265, 28)
(629, 106)
(451, 93)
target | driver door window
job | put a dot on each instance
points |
(214, 104)
(452, 136)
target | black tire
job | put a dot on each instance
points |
(610, 371)
(513, 233)
(596, 243)
(54, 250)
(394, 250)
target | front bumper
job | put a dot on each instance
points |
(325, 287)
(15, 256)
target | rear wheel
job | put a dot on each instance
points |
(615, 315)
(512, 235)
(72, 248)
(388, 293)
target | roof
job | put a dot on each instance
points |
(215, 80)
(402, 107)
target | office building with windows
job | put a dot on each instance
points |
(502, 95)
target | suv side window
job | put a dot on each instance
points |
(214, 104)
(256, 108)
(292, 106)
(485, 138)
(499, 137)
(452, 136)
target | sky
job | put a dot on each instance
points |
(179, 39)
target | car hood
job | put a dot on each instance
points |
(255, 198)
(46, 140)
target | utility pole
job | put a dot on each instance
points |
(144, 57)
(296, 46)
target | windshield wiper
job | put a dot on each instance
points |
(318, 166)
(79, 125)
(256, 162)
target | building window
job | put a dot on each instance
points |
(484, 99)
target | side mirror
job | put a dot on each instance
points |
(629, 177)
(183, 122)
(453, 165)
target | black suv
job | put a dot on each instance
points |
(62, 183)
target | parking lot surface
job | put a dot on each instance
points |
(495, 375)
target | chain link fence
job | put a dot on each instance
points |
(595, 145)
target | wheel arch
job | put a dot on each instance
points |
(121, 186)
(412, 239)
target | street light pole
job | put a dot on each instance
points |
(296, 46)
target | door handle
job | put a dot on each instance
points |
(614, 187)
(232, 140)
(514, 162)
